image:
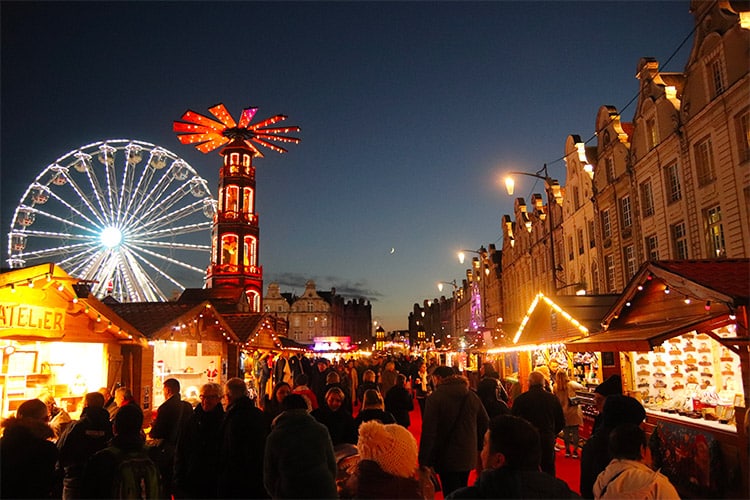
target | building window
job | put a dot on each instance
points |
(609, 263)
(628, 254)
(310, 307)
(250, 248)
(310, 322)
(743, 135)
(232, 206)
(570, 248)
(652, 134)
(610, 165)
(704, 162)
(626, 214)
(229, 249)
(679, 240)
(247, 200)
(606, 224)
(652, 247)
(594, 285)
(715, 231)
(576, 197)
(592, 233)
(672, 181)
(580, 242)
(716, 72)
(647, 199)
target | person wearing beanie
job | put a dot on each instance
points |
(299, 460)
(610, 387)
(387, 465)
(595, 455)
(510, 465)
(373, 408)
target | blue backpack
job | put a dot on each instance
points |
(136, 476)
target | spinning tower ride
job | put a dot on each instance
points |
(235, 234)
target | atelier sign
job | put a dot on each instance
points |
(51, 320)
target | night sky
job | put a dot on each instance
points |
(410, 112)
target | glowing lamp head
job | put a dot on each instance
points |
(461, 257)
(510, 185)
(111, 237)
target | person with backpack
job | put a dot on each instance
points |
(124, 469)
(81, 440)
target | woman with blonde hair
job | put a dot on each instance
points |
(373, 408)
(565, 390)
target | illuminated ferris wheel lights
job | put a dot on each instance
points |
(111, 237)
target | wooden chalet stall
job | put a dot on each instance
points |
(680, 334)
(188, 342)
(55, 337)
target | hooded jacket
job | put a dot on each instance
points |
(27, 459)
(507, 482)
(632, 479)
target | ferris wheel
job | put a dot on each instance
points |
(129, 217)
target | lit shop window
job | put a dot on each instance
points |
(234, 163)
(229, 249)
(250, 255)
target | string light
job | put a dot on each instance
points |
(707, 307)
(666, 289)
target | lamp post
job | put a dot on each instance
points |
(549, 189)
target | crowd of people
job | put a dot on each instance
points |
(315, 429)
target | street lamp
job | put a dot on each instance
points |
(552, 190)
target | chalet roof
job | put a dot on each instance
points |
(149, 317)
(226, 300)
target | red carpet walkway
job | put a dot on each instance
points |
(568, 469)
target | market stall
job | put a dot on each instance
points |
(679, 334)
(538, 344)
(55, 338)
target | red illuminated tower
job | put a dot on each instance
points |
(235, 235)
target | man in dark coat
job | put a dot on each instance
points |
(197, 457)
(453, 423)
(243, 441)
(399, 402)
(595, 455)
(27, 458)
(510, 461)
(299, 459)
(545, 412)
(171, 418)
(81, 440)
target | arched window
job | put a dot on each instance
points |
(229, 249)
(232, 206)
(253, 298)
(247, 201)
(250, 251)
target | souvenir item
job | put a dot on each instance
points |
(706, 374)
(689, 347)
(677, 386)
(674, 351)
(727, 370)
(674, 340)
(643, 373)
(688, 335)
(659, 384)
(692, 379)
(659, 348)
(676, 373)
(642, 361)
(675, 362)
(659, 361)
(704, 348)
(691, 359)
(704, 361)
(703, 336)
(725, 356)
(659, 374)
(691, 368)
(643, 383)
(705, 384)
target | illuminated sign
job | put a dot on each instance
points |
(47, 321)
(332, 343)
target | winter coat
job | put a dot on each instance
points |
(370, 481)
(80, 441)
(197, 456)
(542, 409)
(507, 482)
(453, 427)
(243, 441)
(340, 424)
(382, 416)
(299, 461)
(387, 380)
(364, 386)
(399, 403)
(99, 472)
(572, 412)
(27, 459)
(633, 479)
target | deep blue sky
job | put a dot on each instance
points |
(409, 111)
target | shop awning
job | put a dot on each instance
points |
(642, 338)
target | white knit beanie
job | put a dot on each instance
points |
(391, 446)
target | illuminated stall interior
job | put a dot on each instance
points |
(55, 338)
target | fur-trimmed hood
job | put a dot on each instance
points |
(34, 427)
